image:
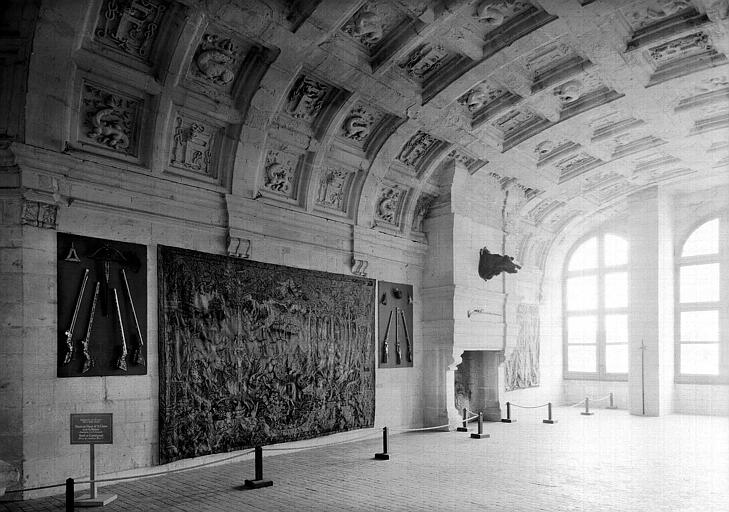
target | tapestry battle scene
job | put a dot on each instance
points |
(522, 365)
(254, 354)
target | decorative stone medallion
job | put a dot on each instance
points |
(130, 26)
(216, 61)
(387, 209)
(110, 119)
(306, 98)
(358, 124)
(334, 187)
(192, 145)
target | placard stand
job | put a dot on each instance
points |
(93, 499)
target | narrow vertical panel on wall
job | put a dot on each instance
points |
(395, 344)
(253, 353)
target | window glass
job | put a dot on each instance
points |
(581, 293)
(615, 250)
(616, 358)
(581, 358)
(704, 240)
(700, 358)
(585, 257)
(616, 290)
(700, 325)
(699, 283)
(582, 329)
(616, 328)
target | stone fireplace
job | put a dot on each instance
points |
(476, 383)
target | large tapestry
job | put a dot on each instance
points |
(522, 365)
(254, 354)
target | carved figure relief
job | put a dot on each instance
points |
(480, 96)
(367, 25)
(279, 174)
(216, 60)
(568, 91)
(495, 12)
(422, 207)
(416, 148)
(130, 25)
(333, 189)
(388, 204)
(306, 98)
(111, 120)
(694, 43)
(522, 365)
(358, 124)
(192, 146)
(254, 354)
(424, 60)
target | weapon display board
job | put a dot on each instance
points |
(395, 325)
(102, 307)
(254, 354)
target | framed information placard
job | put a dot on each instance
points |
(95, 428)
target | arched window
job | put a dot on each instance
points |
(596, 308)
(701, 302)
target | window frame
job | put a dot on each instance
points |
(721, 305)
(601, 311)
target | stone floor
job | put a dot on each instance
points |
(607, 462)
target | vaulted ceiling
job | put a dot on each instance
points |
(352, 110)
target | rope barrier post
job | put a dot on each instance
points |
(508, 414)
(464, 428)
(69, 494)
(480, 434)
(258, 482)
(587, 412)
(612, 402)
(549, 419)
(384, 455)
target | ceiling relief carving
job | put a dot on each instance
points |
(680, 48)
(110, 119)
(554, 63)
(419, 150)
(334, 189)
(424, 61)
(130, 26)
(306, 98)
(548, 150)
(494, 13)
(485, 100)
(372, 22)
(682, 56)
(422, 207)
(359, 124)
(575, 165)
(471, 163)
(653, 160)
(280, 174)
(654, 11)
(630, 143)
(616, 189)
(193, 145)
(389, 205)
(543, 209)
(517, 125)
(612, 123)
(217, 63)
(599, 179)
(709, 91)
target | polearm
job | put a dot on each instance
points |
(88, 359)
(121, 363)
(385, 347)
(398, 353)
(408, 346)
(137, 356)
(69, 331)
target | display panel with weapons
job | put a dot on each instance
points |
(395, 325)
(102, 307)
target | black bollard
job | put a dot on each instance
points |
(384, 455)
(508, 414)
(549, 415)
(587, 412)
(69, 494)
(464, 428)
(612, 403)
(480, 434)
(259, 481)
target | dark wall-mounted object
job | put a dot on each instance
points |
(395, 325)
(102, 307)
(254, 354)
(491, 265)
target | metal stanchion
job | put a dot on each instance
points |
(612, 402)
(69, 494)
(464, 428)
(384, 455)
(508, 414)
(480, 434)
(258, 482)
(587, 412)
(549, 419)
